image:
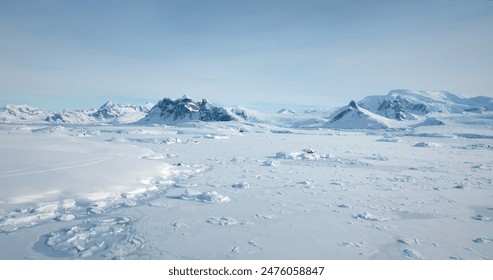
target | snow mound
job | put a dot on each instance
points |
(462, 186)
(108, 238)
(412, 254)
(428, 145)
(483, 240)
(370, 217)
(206, 197)
(303, 155)
(222, 221)
(311, 155)
(482, 218)
(272, 163)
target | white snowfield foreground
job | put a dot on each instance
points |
(244, 191)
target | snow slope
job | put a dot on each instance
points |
(354, 117)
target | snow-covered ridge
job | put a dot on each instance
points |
(407, 109)
(111, 111)
(16, 113)
(406, 104)
(108, 113)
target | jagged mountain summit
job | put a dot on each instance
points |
(353, 116)
(183, 109)
(404, 104)
(110, 112)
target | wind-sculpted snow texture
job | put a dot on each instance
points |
(415, 189)
(217, 193)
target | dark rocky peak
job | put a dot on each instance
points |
(185, 109)
(353, 105)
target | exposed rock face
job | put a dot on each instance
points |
(185, 109)
(400, 109)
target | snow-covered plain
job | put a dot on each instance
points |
(236, 190)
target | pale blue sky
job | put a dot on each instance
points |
(63, 53)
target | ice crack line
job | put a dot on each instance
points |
(73, 165)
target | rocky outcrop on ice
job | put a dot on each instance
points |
(406, 104)
(353, 116)
(183, 109)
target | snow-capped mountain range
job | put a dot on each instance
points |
(397, 108)
(21, 113)
(108, 113)
(412, 105)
